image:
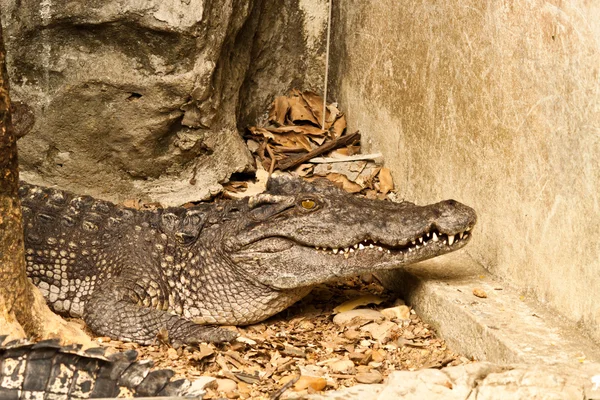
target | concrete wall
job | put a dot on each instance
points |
(496, 104)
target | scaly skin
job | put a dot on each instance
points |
(47, 370)
(132, 273)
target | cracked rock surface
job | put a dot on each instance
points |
(481, 381)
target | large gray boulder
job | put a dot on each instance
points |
(143, 98)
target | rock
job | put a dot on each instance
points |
(345, 367)
(358, 317)
(226, 385)
(382, 332)
(401, 312)
(369, 377)
(483, 380)
(137, 99)
(480, 293)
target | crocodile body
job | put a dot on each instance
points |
(131, 274)
(46, 370)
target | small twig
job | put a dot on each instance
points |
(278, 393)
(325, 147)
(358, 157)
(273, 160)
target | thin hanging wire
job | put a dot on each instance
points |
(326, 65)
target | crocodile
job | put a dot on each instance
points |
(181, 272)
(47, 370)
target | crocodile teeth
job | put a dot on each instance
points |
(444, 241)
(371, 246)
(341, 251)
(428, 234)
(418, 247)
(380, 248)
(389, 252)
(346, 249)
(361, 247)
(351, 250)
(356, 246)
(346, 255)
(450, 239)
(410, 249)
(460, 235)
(413, 242)
(421, 239)
(317, 248)
(335, 251)
(435, 238)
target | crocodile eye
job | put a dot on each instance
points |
(308, 204)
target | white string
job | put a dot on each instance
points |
(326, 65)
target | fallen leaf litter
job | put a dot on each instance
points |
(314, 345)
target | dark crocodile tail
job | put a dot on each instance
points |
(47, 370)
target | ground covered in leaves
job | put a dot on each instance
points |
(311, 342)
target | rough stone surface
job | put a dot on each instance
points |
(495, 104)
(505, 327)
(140, 99)
(480, 381)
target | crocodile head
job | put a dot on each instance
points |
(299, 234)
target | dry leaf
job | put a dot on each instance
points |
(300, 112)
(338, 127)
(303, 129)
(279, 110)
(133, 203)
(314, 382)
(359, 301)
(315, 103)
(386, 183)
(332, 115)
(304, 170)
(344, 183)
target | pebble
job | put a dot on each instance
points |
(369, 377)
(401, 312)
(359, 316)
(345, 367)
(480, 293)
(226, 385)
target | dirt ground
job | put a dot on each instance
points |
(305, 343)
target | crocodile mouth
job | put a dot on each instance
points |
(428, 245)
(433, 238)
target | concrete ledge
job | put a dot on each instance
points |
(503, 328)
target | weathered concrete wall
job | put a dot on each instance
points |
(143, 99)
(496, 104)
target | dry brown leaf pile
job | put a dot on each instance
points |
(295, 128)
(303, 340)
